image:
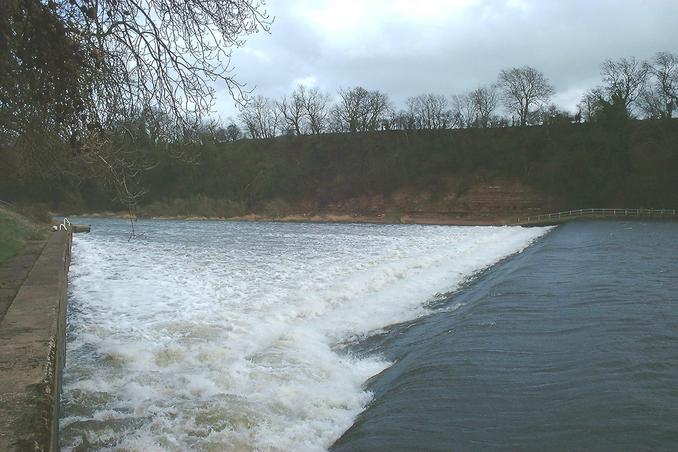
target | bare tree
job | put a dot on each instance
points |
(623, 81)
(660, 97)
(147, 126)
(233, 132)
(464, 113)
(360, 110)
(401, 120)
(351, 108)
(430, 111)
(293, 111)
(551, 115)
(589, 105)
(377, 110)
(335, 120)
(525, 89)
(316, 105)
(206, 132)
(159, 54)
(653, 104)
(485, 100)
(260, 117)
(76, 70)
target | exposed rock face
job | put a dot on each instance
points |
(492, 200)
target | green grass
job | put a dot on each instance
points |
(15, 229)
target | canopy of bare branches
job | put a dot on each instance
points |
(72, 72)
(632, 88)
(524, 90)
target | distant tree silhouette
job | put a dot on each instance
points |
(524, 89)
(360, 110)
(660, 96)
(430, 111)
(623, 82)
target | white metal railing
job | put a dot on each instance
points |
(656, 213)
(66, 225)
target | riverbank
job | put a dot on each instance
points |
(506, 171)
(32, 347)
(16, 231)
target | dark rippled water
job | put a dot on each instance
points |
(571, 345)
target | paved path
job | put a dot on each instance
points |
(14, 271)
(32, 336)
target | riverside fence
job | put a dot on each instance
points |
(559, 217)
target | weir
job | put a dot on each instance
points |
(234, 325)
(32, 351)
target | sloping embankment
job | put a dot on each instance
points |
(32, 347)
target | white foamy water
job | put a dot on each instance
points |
(220, 336)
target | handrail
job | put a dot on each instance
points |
(661, 213)
(66, 225)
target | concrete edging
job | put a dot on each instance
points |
(32, 352)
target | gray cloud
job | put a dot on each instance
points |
(447, 46)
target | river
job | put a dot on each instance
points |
(279, 336)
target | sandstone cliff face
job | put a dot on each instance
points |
(489, 199)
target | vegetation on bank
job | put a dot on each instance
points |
(610, 162)
(15, 230)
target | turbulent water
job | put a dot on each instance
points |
(229, 336)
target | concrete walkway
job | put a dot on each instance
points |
(13, 272)
(32, 340)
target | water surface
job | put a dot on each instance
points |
(571, 345)
(225, 335)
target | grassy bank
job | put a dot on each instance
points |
(15, 230)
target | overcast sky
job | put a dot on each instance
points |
(409, 47)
